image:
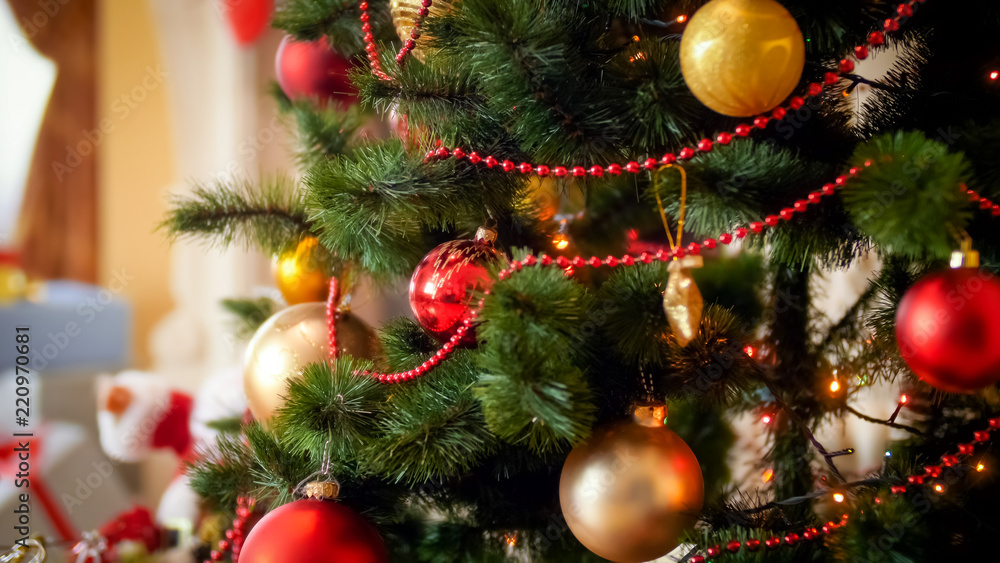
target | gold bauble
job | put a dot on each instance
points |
(290, 340)
(300, 274)
(632, 489)
(405, 12)
(742, 57)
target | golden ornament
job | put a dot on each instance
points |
(300, 273)
(682, 301)
(405, 12)
(290, 340)
(632, 489)
(742, 57)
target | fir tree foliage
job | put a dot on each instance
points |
(453, 465)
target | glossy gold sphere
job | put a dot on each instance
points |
(742, 57)
(300, 274)
(404, 13)
(631, 490)
(289, 341)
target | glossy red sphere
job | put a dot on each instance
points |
(443, 285)
(248, 18)
(312, 70)
(948, 329)
(313, 531)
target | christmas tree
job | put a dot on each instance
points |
(563, 186)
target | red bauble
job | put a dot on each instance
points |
(442, 286)
(948, 329)
(313, 531)
(312, 70)
(248, 18)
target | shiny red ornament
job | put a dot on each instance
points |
(948, 329)
(247, 18)
(443, 285)
(312, 70)
(318, 531)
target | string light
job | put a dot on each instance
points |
(768, 474)
(511, 539)
(682, 18)
(888, 453)
(560, 241)
(903, 399)
(766, 419)
(938, 488)
(838, 497)
(980, 467)
(995, 75)
(834, 386)
(749, 351)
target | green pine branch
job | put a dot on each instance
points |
(270, 216)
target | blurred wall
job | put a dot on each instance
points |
(136, 164)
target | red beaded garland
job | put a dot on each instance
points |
(861, 51)
(633, 167)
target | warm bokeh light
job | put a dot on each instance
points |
(938, 488)
(766, 419)
(749, 351)
(768, 474)
(838, 497)
(683, 18)
(980, 467)
(995, 75)
(834, 386)
(903, 399)
(560, 241)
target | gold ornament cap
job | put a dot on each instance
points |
(486, 235)
(649, 414)
(966, 257)
(323, 490)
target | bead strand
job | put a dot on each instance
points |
(983, 202)
(809, 534)
(934, 471)
(442, 354)
(904, 10)
(332, 301)
(408, 46)
(370, 48)
(236, 535)
(663, 255)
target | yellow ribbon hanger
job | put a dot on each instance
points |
(663, 212)
(682, 302)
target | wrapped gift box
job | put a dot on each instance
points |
(73, 485)
(74, 326)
